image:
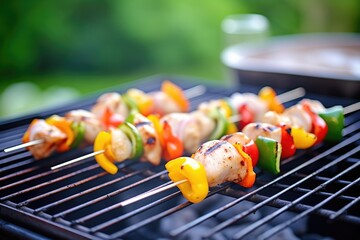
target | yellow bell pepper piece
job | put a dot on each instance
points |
(106, 159)
(143, 101)
(302, 139)
(232, 128)
(225, 108)
(196, 188)
(268, 95)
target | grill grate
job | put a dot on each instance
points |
(81, 201)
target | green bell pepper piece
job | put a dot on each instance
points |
(79, 132)
(221, 124)
(269, 154)
(334, 118)
(130, 103)
(136, 141)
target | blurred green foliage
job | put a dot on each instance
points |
(95, 44)
(118, 37)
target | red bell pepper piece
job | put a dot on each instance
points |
(246, 115)
(173, 145)
(287, 142)
(319, 127)
(110, 119)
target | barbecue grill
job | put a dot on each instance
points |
(318, 188)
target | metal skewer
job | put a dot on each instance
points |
(89, 155)
(24, 145)
(152, 192)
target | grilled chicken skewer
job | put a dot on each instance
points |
(192, 129)
(110, 110)
(213, 163)
(215, 157)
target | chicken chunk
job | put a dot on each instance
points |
(222, 162)
(152, 147)
(254, 130)
(92, 124)
(50, 135)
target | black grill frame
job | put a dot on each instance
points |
(29, 190)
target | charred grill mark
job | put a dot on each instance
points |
(270, 128)
(214, 147)
(242, 163)
(140, 124)
(227, 137)
(257, 126)
(150, 140)
(288, 130)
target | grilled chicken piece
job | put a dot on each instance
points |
(152, 147)
(164, 104)
(111, 101)
(206, 124)
(50, 135)
(92, 124)
(298, 117)
(257, 106)
(120, 145)
(254, 130)
(237, 137)
(222, 162)
(315, 105)
(186, 128)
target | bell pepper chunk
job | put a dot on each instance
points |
(196, 188)
(246, 114)
(250, 177)
(269, 154)
(302, 139)
(334, 118)
(79, 132)
(287, 142)
(136, 141)
(103, 142)
(65, 126)
(174, 147)
(319, 127)
(268, 95)
(177, 94)
(221, 124)
(143, 101)
(26, 137)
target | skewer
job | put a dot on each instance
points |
(291, 95)
(189, 93)
(352, 108)
(152, 192)
(24, 145)
(89, 155)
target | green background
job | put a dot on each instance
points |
(65, 49)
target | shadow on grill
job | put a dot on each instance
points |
(316, 195)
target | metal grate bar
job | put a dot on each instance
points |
(273, 197)
(298, 200)
(278, 228)
(95, 214)
(133, 213)
(344, 209)
(56, 203)
(201, 219)
(50, 182)
(305, 190)
(61, 189)
(161, 215)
